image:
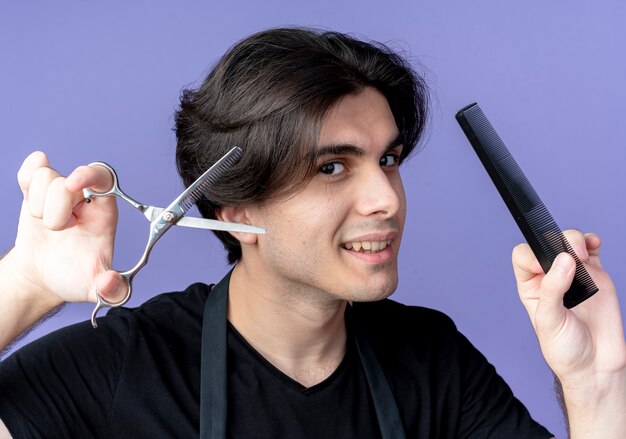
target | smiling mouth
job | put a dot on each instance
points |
(366, 246)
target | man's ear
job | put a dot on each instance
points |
(237, 215)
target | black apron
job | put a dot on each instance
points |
(213, 372)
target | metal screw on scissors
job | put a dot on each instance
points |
(162, 219)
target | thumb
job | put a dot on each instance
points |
(550, 313)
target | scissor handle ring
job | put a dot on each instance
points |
(88, 193)
(102, 303)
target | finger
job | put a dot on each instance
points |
(38, 189)
(111, 286)
(97, 178)
(593, 243)
(30, 164)
(576, 240)
(550, 310)
(59, 204)
(525, 263)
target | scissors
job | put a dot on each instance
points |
(162, 219)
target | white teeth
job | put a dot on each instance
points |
(367, 246)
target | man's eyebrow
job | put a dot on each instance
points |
(339, 149)
(349, 149)
(398, 141)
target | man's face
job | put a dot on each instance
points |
(338, 238)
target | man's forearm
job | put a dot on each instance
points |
(21, 306)
(558, 391)
(597, 410)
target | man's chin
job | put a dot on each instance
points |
(373, 294)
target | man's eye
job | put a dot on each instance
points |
(389, 160)
(331, 168)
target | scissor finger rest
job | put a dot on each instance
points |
(102, 303)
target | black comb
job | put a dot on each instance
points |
(537, 225)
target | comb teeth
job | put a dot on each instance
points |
(210, 177)
(537, 225)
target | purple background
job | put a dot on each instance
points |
(86, 81)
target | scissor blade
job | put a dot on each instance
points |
(196, 190)
(204, 223)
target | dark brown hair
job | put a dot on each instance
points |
(269, 95)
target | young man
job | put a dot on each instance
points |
(298, 339)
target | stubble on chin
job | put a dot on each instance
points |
(376, 290)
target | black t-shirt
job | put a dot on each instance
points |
(138, 376)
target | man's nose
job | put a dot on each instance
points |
(380, 193)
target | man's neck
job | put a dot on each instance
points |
(301, 334)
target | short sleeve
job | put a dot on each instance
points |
(63, 384)
(489, 409)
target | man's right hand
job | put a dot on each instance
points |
(64, 246)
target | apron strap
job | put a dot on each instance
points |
(213, 373)
(387, 412)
